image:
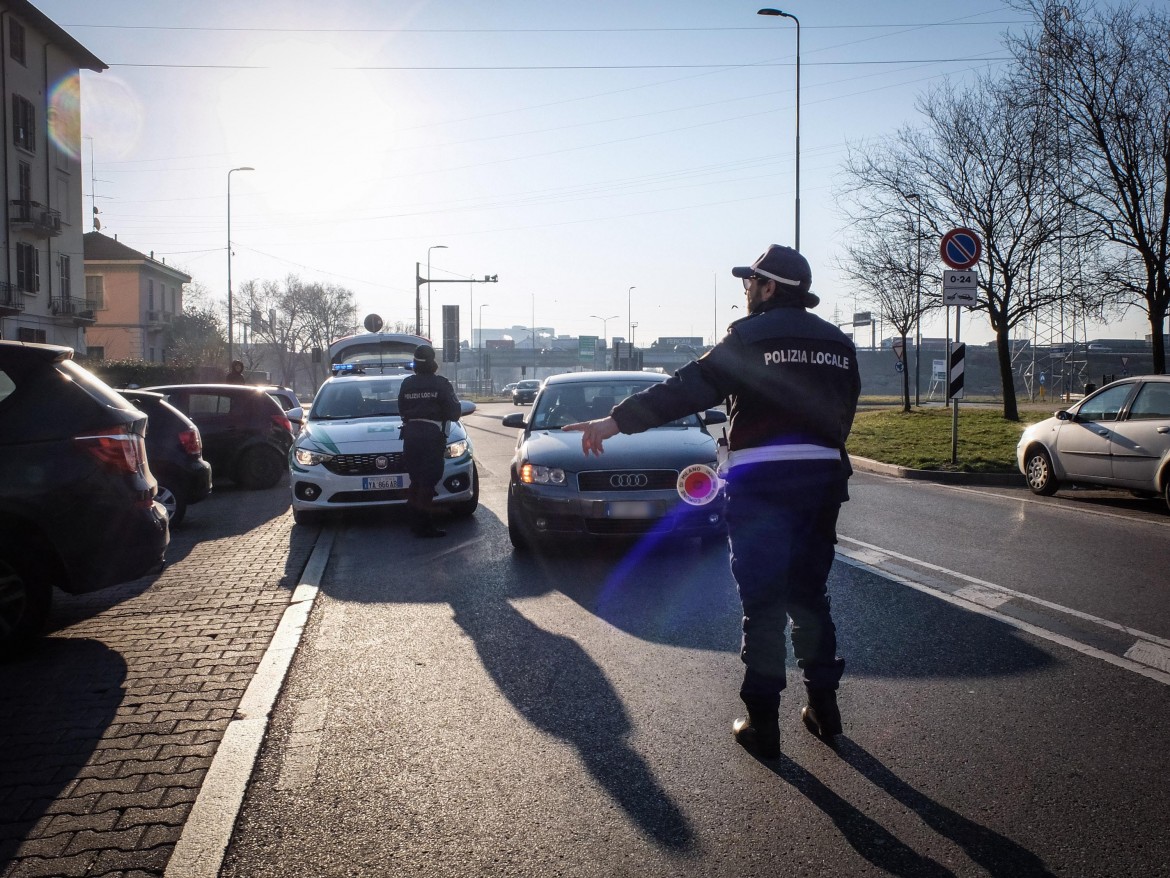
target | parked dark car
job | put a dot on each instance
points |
(662, 483)
(287, 399)
(246, 434)
(174, 448)
(77, 507)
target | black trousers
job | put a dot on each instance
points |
(423, 444)
(782, 547)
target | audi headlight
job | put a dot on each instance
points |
(530, 474)
(457, 449)
(309, 457)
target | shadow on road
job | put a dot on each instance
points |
(57, 703)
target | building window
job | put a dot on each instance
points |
(95, 353)
(95, 290)
(28, 269)
(149, 295)
(24, 190)
(16, 40)
(150, 359)
(27, 333)
(66, 278)
(24, 123)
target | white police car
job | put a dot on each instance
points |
(349, 453)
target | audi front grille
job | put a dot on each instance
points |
(366, 464)
(627, 480)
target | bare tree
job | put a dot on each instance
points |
(973, 165)
(1109, 70)
(882, 259)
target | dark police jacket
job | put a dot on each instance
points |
(790, 377)
(428, 398)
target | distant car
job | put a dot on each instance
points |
(507, 389)
(174, 449)
(659, 482)
(349, 454)
(1117, 437)
(246, 434)
(525, 392)
(287, 399)
(77, 507)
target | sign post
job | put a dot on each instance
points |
(960, 249)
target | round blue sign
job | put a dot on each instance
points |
(960, 248)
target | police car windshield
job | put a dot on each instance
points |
(345, 398)
(572, 402)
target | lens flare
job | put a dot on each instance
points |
(65, 115)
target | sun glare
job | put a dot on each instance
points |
(316, 132)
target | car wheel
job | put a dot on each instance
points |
(307, 517)
(260, 468)
(1166, 492)
(173, 503)
(466, 508)
(1038, 470)
(516, 531)
(25, 599)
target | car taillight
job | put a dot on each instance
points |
(192, 442)
(121, 450)
(282, 422)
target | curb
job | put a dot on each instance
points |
(944, 477)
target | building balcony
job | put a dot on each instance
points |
(11, 299)
(32, 216)
(82, 311)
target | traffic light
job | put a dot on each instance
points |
(490, 278)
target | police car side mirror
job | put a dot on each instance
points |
(514, 420)
(466, 407)
(713, 416)
(1063, 415)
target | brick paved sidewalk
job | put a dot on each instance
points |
(108, 728)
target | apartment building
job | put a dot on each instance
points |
(41, 293)
(134, 298)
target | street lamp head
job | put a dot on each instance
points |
(775, 12)
(244, 168)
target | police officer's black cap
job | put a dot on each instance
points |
(787, 268)
(424, 353)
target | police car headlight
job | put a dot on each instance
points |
(309, 457)
(531, 474)
(457, 449)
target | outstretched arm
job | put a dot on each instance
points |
(594, 433)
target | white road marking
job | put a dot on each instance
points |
(1139, 662)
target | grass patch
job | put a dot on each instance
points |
(921, 438)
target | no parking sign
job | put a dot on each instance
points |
(960, 248)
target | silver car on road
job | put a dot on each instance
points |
(1117, 437)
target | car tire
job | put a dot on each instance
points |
(1038, 472)
(25, 600)
(260, 468)
(307, 517)
(466, 508)
(516, 530)
(174, 503)
(1166, 492)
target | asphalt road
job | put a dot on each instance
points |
(456, 709)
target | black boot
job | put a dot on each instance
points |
(821, 715)
(760, 732)
(423, 526)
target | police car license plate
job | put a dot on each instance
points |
(383, 483)
(632, 509)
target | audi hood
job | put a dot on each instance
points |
(660, 448)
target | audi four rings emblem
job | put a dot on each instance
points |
(629, 480)
(381, 462)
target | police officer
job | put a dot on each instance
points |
(426, 402)
(792, 384)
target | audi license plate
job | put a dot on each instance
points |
(632, 509)
(383, 483)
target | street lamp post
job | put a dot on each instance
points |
(231, 314)
(429, 327)
(917, 199)
(604, 323)
(481, 369)
(797, 20)
(630, 313)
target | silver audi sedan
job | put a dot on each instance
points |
(661, 483)
(1117, 437)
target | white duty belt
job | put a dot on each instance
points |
(438, 424)
(764, 453)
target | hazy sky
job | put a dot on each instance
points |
(573, 150)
